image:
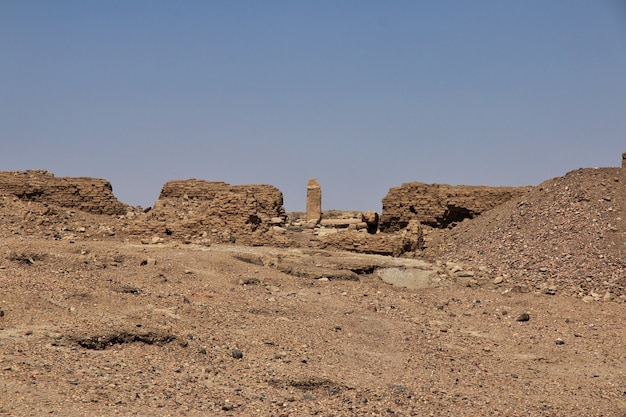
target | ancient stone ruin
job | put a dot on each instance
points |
(91, 195)
(313, 201)
(440, 205)
(205, 212)
(215, 211)
(353, 231)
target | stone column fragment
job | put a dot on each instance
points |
(313, 201)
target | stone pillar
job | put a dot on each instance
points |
(313, 201)
(624, 160)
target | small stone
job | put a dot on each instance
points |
(237, 354)
(551, 290)
(498, 280)
(471, 282)
(398, 387)
(454, 269)
(588, 299)
(523, 317)
(149, 262)
(560, 341)
(228, 407)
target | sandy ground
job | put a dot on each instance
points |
(112, 327)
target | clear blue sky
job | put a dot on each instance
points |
(363, 95)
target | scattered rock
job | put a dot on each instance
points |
(551, 290)
(237, 354)
(535, 237)
(249, 281)
(523, 317)
(101, 342)
(148, 262)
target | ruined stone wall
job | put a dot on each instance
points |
(91, 195)
(439, 205)
(216, 211)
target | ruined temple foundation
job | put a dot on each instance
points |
(313, 201)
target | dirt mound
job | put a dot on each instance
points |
(566, 235)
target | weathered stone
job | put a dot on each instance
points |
(464, 274)
(324, 232)
(440, 205)
(313, 201)
(339, 223)
(395, 244)
(197, 208)
(624, 160)
(371, 219)
(91, 195)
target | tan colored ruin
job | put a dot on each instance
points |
(91, 195)
(313, 201)
(624, 160)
